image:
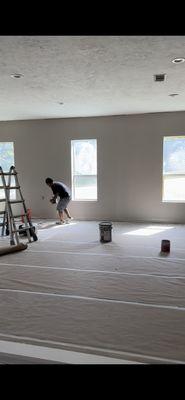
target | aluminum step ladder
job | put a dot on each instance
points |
(8, 224)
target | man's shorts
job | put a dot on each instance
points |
(63, 203)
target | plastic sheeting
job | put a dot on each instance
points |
(121, 298)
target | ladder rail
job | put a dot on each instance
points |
(8, 209)
(5, 221)
(11, 218)
(5, 216)
(24, 206)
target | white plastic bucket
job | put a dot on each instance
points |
(105, 231)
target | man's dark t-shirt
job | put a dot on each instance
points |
(60, 189)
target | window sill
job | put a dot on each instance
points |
(174, 201)
(86, 200)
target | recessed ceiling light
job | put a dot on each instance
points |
(173, 94)
(178, 60)
(61, 103)
(17, 75)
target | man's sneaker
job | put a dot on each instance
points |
(70, 219)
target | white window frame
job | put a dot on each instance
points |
(12, 192)
(74, 175)
(173, 175)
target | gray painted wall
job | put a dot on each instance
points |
(129, 164)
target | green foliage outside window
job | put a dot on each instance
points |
(6, 155)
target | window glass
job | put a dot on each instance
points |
(84, 169)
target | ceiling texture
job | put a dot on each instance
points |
(90, 75)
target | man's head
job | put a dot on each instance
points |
(49, 181)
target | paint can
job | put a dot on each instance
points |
(165, 246)
(105, 231)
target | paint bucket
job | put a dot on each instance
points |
(105, 231)
(165, 246)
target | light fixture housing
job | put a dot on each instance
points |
(174, 94)
(17, 76)
(178, 60)
(159, 77)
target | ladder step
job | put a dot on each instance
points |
(16, 201)
(10, 187)
(2, 212)
(17, 216)
(2, 199)
(8, 173)
(22, 229)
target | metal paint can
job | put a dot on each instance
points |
(105, 231)
(165, 246)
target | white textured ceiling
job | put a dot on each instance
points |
(91, 75)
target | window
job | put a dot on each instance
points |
(174, 169)
(6, 161)
(84, 169)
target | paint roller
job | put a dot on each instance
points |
(12, 249)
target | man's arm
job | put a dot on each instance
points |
(53, 199)
(55, 194)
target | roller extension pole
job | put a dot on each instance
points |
(12, 249)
